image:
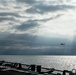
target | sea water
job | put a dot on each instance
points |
(57, 62)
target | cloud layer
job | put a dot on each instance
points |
(36, 26)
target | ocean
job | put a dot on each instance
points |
(57, 62)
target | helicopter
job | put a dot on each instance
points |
(62, 44)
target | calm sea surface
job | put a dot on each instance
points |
(57, 62)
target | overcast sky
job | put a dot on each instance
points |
(37, 27)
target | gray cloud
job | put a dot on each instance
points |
(29, 40)
(28, 44)
(42, 9)
(51, 18)
(39, 7)
(27, 25)
(6, 19)
(9, 14)
(27, 1)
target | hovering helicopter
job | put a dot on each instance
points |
(62, 44)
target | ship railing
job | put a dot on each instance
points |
(35, 68)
